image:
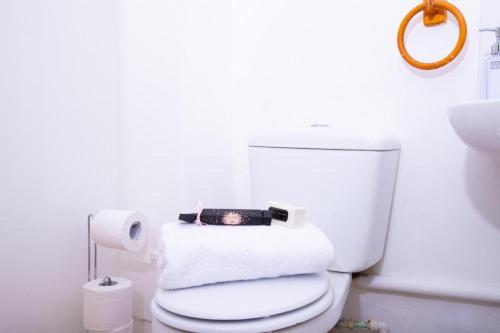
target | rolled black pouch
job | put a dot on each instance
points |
(230, 217)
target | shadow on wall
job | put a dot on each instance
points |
(138, 298)
(482, 180)
(145, 279)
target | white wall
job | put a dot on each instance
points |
(175, 116)
(58, 154)
(295, 62)
(195, 77)
(299, 62)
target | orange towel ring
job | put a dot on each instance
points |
(433, 9)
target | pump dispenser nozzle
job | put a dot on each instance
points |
(495, 48)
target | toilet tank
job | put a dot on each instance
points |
(345, 180)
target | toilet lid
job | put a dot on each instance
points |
(242, 300)
(266, 324)
(329, 306)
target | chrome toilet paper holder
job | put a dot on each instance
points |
(106, 281)
(136, 228)
(89, 276)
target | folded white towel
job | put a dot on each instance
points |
(192, 255)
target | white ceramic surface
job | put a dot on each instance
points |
(347, 191)
(478, 125)
(324, 312)
(327, 137)
(240, 300)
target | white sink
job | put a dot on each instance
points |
(478, 125)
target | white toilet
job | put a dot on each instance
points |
(346, 182)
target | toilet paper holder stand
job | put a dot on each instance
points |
(106, 281)
(149, 256)
(89, 275)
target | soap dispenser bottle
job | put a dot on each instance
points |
(490, 80)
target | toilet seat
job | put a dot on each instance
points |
(242, 300)
(331, 302)
(266, 324)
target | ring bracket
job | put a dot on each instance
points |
(433, 15)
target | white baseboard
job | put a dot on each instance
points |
(489, 293)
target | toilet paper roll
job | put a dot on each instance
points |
(120, 229)
(107, 308)
(125, 329)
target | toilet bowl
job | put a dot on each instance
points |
(300, 303)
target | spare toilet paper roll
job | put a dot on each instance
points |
(106, 308)
(120, 229)
(125, 329)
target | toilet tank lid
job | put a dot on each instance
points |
(327, 138)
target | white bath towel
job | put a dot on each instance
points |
(192, 255)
